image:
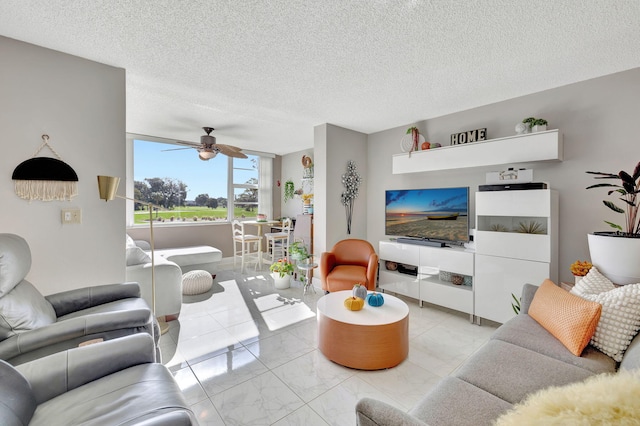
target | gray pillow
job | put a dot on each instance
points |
(24, 308)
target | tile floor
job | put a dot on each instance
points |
(246, 354)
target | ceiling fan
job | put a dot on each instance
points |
(208, 148)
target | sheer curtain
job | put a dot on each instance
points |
(265, 187)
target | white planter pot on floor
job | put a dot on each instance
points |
(281, 282)
(617, 258)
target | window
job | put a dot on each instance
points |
(245, 175)
(187, 189)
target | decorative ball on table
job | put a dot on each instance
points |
(360, 291)
(354, 303)
(375, 299)
(425, 146)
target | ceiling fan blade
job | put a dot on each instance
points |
(192, 144)
(179, 149)
(235, 148)
(229, 151)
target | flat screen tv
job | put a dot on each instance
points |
(440, 214)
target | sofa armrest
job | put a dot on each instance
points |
(74, 328)
(327, 263)
(56, 374)
(83, 298)
(528, 292)
(371, 412)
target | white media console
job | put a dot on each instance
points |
(426, 273)
(516, 243)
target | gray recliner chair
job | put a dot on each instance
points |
(33, 326)
(108, 383)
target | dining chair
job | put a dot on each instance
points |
(278, 242)
(246, 246)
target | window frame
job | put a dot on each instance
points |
(131, 137)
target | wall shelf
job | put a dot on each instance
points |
(540, 146)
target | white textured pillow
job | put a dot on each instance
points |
(130, 243)
(620, 317)
(136, 256)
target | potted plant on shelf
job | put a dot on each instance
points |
(281, 272)
(535, 124)
(615, 253)
(539, 125)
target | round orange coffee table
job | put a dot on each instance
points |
(370, 339)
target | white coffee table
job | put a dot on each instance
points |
(370, 339)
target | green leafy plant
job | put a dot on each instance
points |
(515, 304)
(282, 267)
(627, 191)
(532, 121)
(297, 250)
(529, 121)
(289, 190)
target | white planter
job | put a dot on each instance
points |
(616, 257)
(281, 282)
(539, 128)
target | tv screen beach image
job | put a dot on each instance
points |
(434, 213)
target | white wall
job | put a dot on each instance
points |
(292, 169)
(334, 147)
(598, 120)
(80, 104)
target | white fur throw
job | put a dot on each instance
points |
(605, 399)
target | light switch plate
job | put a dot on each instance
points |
(71, 216)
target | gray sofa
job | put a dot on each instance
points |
(109, 383)
(520, 358)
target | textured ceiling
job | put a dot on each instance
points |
(263, 73)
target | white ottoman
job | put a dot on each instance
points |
(196, 282)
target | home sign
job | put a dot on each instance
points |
(469, 136)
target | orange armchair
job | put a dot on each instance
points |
(349, 262)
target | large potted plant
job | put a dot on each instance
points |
(616, 253)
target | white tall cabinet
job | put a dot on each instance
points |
(516, 243)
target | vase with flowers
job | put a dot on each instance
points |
(281, 272)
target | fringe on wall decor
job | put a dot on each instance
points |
(45, 178)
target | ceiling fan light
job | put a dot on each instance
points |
(206, 155)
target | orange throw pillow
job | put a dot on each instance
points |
(570, 319)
